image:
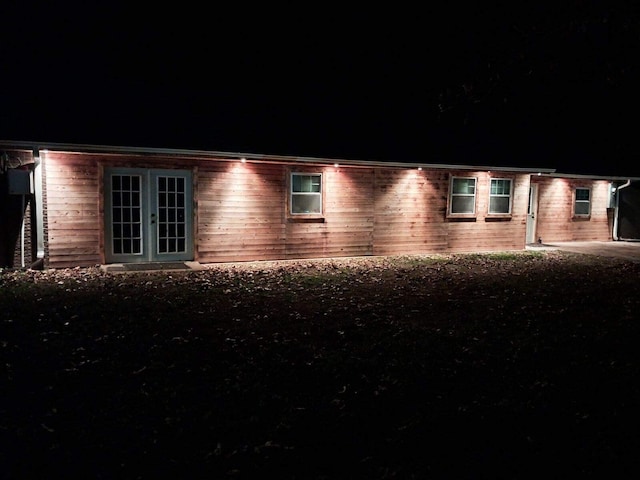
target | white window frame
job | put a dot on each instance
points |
(315, 194)
(576, 202)
(452, 195)
(501, 195)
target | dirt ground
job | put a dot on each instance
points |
(504, 365)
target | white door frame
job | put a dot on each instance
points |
(148, 215)
(532, 213)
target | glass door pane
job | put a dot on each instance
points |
(126, 214)
(172, 214)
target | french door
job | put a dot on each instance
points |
(148, 215)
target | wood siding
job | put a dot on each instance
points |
(241, 213)
(410, 208)
(74, 217)
(556, 221)
(490, 232)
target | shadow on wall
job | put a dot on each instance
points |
(15, 202)
(629, 212)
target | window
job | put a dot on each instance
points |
(582, 205)
(500, 196)
(463, 195)
(306, 193)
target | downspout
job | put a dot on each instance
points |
(22, 234)
(39, 198)
(615, 217)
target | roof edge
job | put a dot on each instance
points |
(92, 148)
(620, 178)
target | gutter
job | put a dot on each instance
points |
(615, 217)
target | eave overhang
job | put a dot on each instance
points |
(258, 158)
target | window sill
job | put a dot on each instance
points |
(498, 217)
(462, 217)
(303, 218)
(582, 218)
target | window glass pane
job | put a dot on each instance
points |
(500, 187)
(582, 194)
(462, 204)
(135, 184)
(305, 183)
(126, 182)
(115, 182)
(305, 204)
(464, 186)
(499, 205)
(582, 208)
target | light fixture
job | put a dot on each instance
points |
(336, 165)
(243, 160)
(419, 169)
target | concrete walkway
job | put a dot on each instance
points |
(617, 249)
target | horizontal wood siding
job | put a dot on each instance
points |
(73, 210)
(410, 206)
(555, 219)
(240, 212)
(347, 226)
(491, 232)
(411, 214)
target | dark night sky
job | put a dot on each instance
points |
(493, 83)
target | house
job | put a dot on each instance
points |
(90, 204)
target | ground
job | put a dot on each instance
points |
(504, 365)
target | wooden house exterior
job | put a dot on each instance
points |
(573, 208)
(103, 205)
